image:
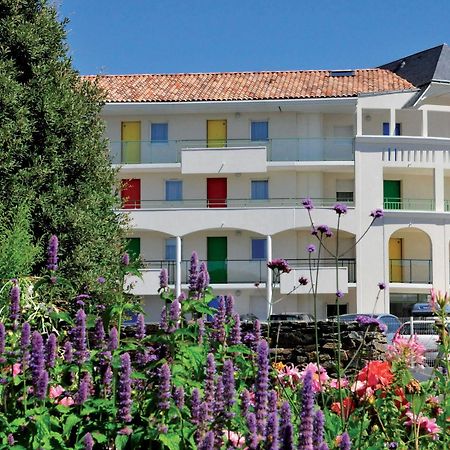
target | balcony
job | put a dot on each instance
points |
(246, 271)
(408, 204)
(277, 149)
(410, 271)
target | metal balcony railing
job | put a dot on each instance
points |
(278, 149)
(229, 203)
(416, 204)
(410, 271)
(244, 270)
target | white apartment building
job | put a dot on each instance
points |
(219, 163)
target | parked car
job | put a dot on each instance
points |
(248, 318)
(425, 310)
(391, 322)
(291, 317)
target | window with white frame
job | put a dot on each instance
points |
(344, 191)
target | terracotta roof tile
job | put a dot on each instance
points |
(227, 86)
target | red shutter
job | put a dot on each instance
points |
(216, 191)
(131, 193)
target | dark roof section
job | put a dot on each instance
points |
(423, 67)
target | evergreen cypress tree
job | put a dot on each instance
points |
(53, 155)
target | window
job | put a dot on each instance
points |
(386, 129)
(344, 197)
(260, 189)
(332, 310)
(260, 131)
(159, 133)
(259, 249)
(174, 190)
(344, 190)
(171, 249)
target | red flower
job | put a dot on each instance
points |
(348, 405)
(376, 374)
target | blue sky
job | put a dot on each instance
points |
(171, 36)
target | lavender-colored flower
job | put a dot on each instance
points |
(229, 393)
(367, 320)
(245, 402)
(51, 349)
(307, 204)
(14, 308)
(11, 440)
(207, 442)
(279, 264)
(80, 299)
(52, 253)
(193, 272)
(202, 278)
(83, 389)
(271, 432)
(210, 374)
(393, 445)
(88, 441)
(201, 330)
(235, 334)
(163, 278)
(37, 361)
(79, 338)
(124, 391)
(286, 431)
(229, 306)
(377, 213)
(345, 442)
(195, 406)
(339, 294)
(272, 402)
(307, 415)
(164, 387)
(323, 229)
(42, 385)
(140, 327)
(182, 297)
(314, 231)
(174, 315)
(252, 439)
(318, 430)
(329, 234)
(2, 338)
(218, 325)
(219, 404)
(178, 397)
(113, 342)
(107, 378)
(125, 259)
(163, 323)
(101, 280)
(68, 352)
(25, 339)
(340, 208)
(311, 248)
(302, 281)
(99, 334)
(261, 385)
(381, 286)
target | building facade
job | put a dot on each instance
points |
(219, 163)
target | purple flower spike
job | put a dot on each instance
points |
(68, 352)
(2, 339)
(52, 253)
(345, 442)
(51, 350)
(208, 442)
(377, 213)
(235, 334)
(307, 415)
(99, 334)
(178, 397)
(261, 385)
(311, 248)
(381, 286)
(308, 204)
(124, 394)
(140, 327)
(286, 426)
(164, 387)
(210, 374)
(83, 389)
(340, 208)
(195, 406)
(318, 433)
(163, 279)
(202, 278)
(113, 342)
(271, 434)
(25, 340)
(229, 306)
(107, 378)
(287, 439)
(219, 403)
(193, 272)
(163, 321)
(11, 440)
(37, 361)
(88, 441)
(126, 259)
(245, 402)
(174, 315)
(229, 392)
(218, 325)
(201, 330)
(14, 308)
(79, 338)
(42, 385)
(252, 432)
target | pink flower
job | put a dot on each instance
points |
(424, 423)
(408, 351)
(320, 377)
(16, 369)
(334, 383)
(56, 391)
(237, 440)
(66, 401)
(289, 375)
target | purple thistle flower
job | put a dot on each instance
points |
(252, 439)
(42, 385)
(11, 440)
(235, 334)
(339, 294)
(14, 308)
(125, 259)
(345, 442)
(307, 204)
(99, 334)
(261, 385)
(377, 213)
(83, 389)
(68, 352)
(163, 278)
(113, 342)
(271, 432)
(124, 391)
(79, 338)
(367, 320)
(286, 431)
(229, 306)
(25, 339)
(381, 286)
(2, 338)
(178, 397)
(279, 264)
(140, 327)
(209, 383)
(302, 281)
(51, 349)
(37, 361)
(201, 330)
(318, 430)
(207, 442)
(323, 229)
(88, 441)
(163, 324)
(245, 402)
(218, 324)
(311, 248)
(229, 392)
(193, 272)
(164, 387)
(340, 208)
(307, 415)
(195, 406)
(52, 253)
(174, 315)
(101, 280)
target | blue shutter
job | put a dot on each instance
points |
(174, 190)
(159, 133)
(386, 129)
(260, 131)
(171, 249)
(260, 189)
(259, 249)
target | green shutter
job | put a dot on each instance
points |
(392, 195)
(217, 256)
(134, 248)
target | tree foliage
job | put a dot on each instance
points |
(53, 154)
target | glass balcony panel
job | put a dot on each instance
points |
(410, 271)
(409, 204)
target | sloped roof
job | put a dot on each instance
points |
(229, 86)
(423, 67)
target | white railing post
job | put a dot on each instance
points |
(178, 267)
(269, 277)
(424, 123)
(392, 122)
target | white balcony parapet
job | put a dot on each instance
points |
(326, 283)
(147, 285)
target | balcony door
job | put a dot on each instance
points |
(216, 192)
(131, 142)
(395, 260)
(392, 194)
(217, 252)
(216, 132)
(131, 193)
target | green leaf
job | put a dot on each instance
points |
(121, 441)
(99, 437)
(170, 440)
(71, 421)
